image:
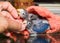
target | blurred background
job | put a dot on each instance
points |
(52, 5)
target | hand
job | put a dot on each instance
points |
(9, 14)
(54, 24)
(15, 25)
(9, 8)
(54, 20)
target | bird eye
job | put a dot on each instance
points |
(31, 16)
(23, 13)
(29, 23)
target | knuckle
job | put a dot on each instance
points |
(7, 2)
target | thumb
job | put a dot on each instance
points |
(30, 9)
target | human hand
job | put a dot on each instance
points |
(15, 25)
(53, 20)
(10, 14)
(4, 5)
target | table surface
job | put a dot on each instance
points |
(41, 38)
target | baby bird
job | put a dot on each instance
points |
(34, 22)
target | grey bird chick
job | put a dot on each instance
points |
(34, 22)
(27, 16)
(23, 13)
(32, 16)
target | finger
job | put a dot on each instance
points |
(24, 24)
(0, 8)
(7, 6)
(30, 9)
(40, 10)
(37, 9)
(7, 15)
